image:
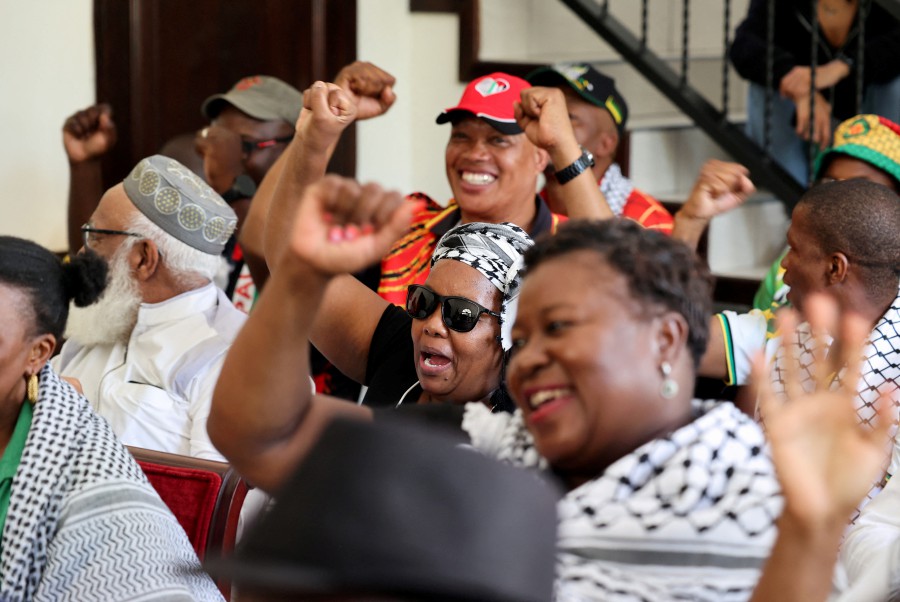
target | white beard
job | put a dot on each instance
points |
(112, 318)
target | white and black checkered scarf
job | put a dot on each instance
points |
(83, 522)
(688, 516)
(879, 373)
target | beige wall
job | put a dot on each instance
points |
(46, 61)
(46, 58)
(404, 149)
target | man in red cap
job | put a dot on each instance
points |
(503, 133)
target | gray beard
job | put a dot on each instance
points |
(112, 318)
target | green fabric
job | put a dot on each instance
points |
(771, 292)
(9, 463)
(731, 378)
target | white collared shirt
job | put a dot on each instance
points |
(156, 390)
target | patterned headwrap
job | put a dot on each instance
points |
(496, 251)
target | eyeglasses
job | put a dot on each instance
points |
(458, 313)
(89, 234)
(250, 146)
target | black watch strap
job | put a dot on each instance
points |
(585, 161)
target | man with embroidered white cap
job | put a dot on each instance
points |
(149, 352)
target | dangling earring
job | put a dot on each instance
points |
(669, 387)
(32, 394)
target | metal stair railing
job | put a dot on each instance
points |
(676, 87)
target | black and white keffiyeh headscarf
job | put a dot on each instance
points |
(496, 251)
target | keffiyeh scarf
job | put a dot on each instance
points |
(83, 522)
(496, 251)
(690, 516)
(616, 188)
(879, 373)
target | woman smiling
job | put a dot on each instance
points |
(668, 498)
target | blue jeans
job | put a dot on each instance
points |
(786, 147)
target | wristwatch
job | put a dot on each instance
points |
(585, 161)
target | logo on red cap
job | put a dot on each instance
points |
(490, 86)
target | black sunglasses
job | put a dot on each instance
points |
(458, 313)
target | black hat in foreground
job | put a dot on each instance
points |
(393, 510)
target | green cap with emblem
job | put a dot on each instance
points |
(591, 85)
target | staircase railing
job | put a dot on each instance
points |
(677, 88)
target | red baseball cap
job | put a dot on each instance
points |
(492, 98)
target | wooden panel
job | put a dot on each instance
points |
(157, 60)
(435, 6)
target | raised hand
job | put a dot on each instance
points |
(343, 227)
(327, 110)
(89, 133)
(543, 116)
(223, 159)
(370, 88)
(825, 459)
(720, 187)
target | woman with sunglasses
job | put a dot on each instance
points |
(668, 498)
(445, 347)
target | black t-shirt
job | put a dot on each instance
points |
(391, 374)
(391, 370)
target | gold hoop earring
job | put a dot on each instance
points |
(32, 394)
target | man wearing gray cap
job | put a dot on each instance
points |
(259, 113)
(250, 126)
(149, 352)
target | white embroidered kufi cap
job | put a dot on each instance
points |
(178, 201)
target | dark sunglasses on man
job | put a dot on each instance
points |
(458, 313)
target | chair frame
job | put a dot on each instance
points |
(227, 509)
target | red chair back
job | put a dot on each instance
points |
(205, 496)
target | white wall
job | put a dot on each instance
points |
(404, 149)
(46, 60)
